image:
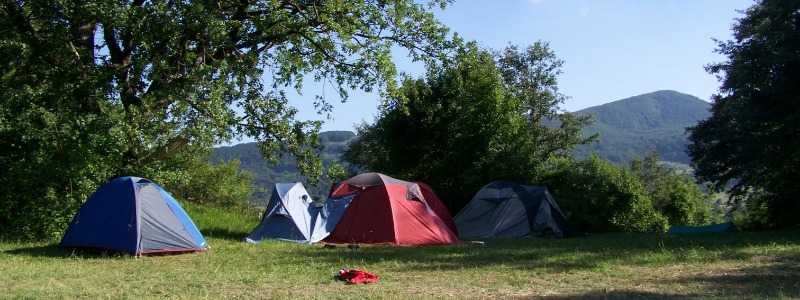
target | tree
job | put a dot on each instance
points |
(477, 118)
(752, 142)
(94, 89)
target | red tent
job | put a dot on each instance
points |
(385, 210)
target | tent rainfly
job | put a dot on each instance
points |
(135, 216)
(291, 215)
(507, 210)
(385, 210)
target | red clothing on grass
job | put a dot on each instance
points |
(354, 276)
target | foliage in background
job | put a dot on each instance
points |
(752, 141)
(94, 89)
(223, 184)
(753, 212)
(333, 144)
(674, 193)
(469, 121)
(599, 196)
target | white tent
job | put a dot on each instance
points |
(292, 215)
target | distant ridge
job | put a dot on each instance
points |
(334, 144)
(652, 122)
(628, 128)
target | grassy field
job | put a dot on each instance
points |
(741, 265)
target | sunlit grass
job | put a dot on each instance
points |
(739, 265)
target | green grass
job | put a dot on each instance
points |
(741, 265)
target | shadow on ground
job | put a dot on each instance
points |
(223, 233)
(777, 273)
(618, 294)
(778, 279)
(564, 255)
(54, 251)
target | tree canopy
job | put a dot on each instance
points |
(480, 117)
(752, 141)
(95, 89)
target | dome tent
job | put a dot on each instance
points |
(506, 210)
(135, 216)
(385, 210)
(291, 215)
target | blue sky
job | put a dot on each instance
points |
(612, 49)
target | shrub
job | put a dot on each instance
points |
(753, 211)
(601, 197)
(46, 174)
(674, 192)
(41, 215)
(223, 184)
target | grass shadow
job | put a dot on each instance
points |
(565, 254)
(54, 251)
(781, 275)
(223, 233)
(780, 278)
(617, 294)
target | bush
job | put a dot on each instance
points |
(601, 197)
(754, 211)
(47, 170)
(223, 184)
(674, 193)
(43, 214)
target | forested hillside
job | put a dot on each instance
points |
(628, 128)
(653, 122)
(334, 143)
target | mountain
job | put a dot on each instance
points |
(653, 122)
(628, 128)
(334, 143)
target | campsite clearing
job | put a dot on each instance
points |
(740, 265)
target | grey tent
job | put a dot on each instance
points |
(292, 215)
(504, 209)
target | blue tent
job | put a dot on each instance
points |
(292, 215)
(136, 216)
